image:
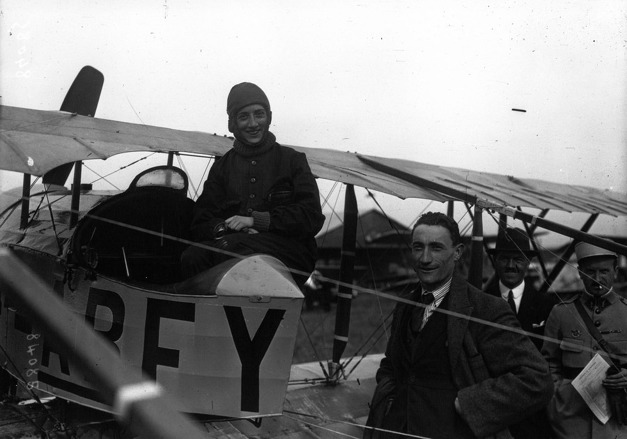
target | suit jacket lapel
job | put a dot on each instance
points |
(458, 303)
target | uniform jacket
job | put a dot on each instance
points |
(271, 183)
(500, 376)
(570, 417)
(533, 311)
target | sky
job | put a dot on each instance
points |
(431, 81)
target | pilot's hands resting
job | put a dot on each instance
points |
(616, 381)
(239, 223)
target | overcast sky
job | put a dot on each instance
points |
(431, 81)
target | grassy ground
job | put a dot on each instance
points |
(314, 340)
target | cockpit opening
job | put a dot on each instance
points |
(138, 235)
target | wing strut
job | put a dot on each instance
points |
(530, 229)
(137, 401)
(450, 208)
(475, 271)
(345, 293)
(25, 201)
(565, 257)
(76, 194)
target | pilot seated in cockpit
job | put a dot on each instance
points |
(260, 197)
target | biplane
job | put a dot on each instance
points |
(219, 343)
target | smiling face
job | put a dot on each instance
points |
(598, 274)
(434, 255)
(511, 267)
(250, 124)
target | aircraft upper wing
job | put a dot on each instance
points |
(35, 141)
(463, 185)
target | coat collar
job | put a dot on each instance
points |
(251, 151)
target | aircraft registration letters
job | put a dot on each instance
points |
(216, 354)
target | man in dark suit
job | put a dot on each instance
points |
(453, 367)
(512, 256)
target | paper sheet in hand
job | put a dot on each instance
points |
(589, 385)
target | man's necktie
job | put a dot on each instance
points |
(510, 300)
(419, 312)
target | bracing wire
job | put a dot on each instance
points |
(101, 177)
(384, 326)
(123, 167)
(324, 370)
(196, 189)
(340, 421)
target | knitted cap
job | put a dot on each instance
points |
(244, 94)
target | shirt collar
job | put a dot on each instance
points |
(439, 293)
(609, 296)
(518, 291)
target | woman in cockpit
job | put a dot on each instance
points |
(260, 197)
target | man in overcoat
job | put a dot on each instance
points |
(457, 364)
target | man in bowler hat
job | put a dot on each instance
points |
(512, 256)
